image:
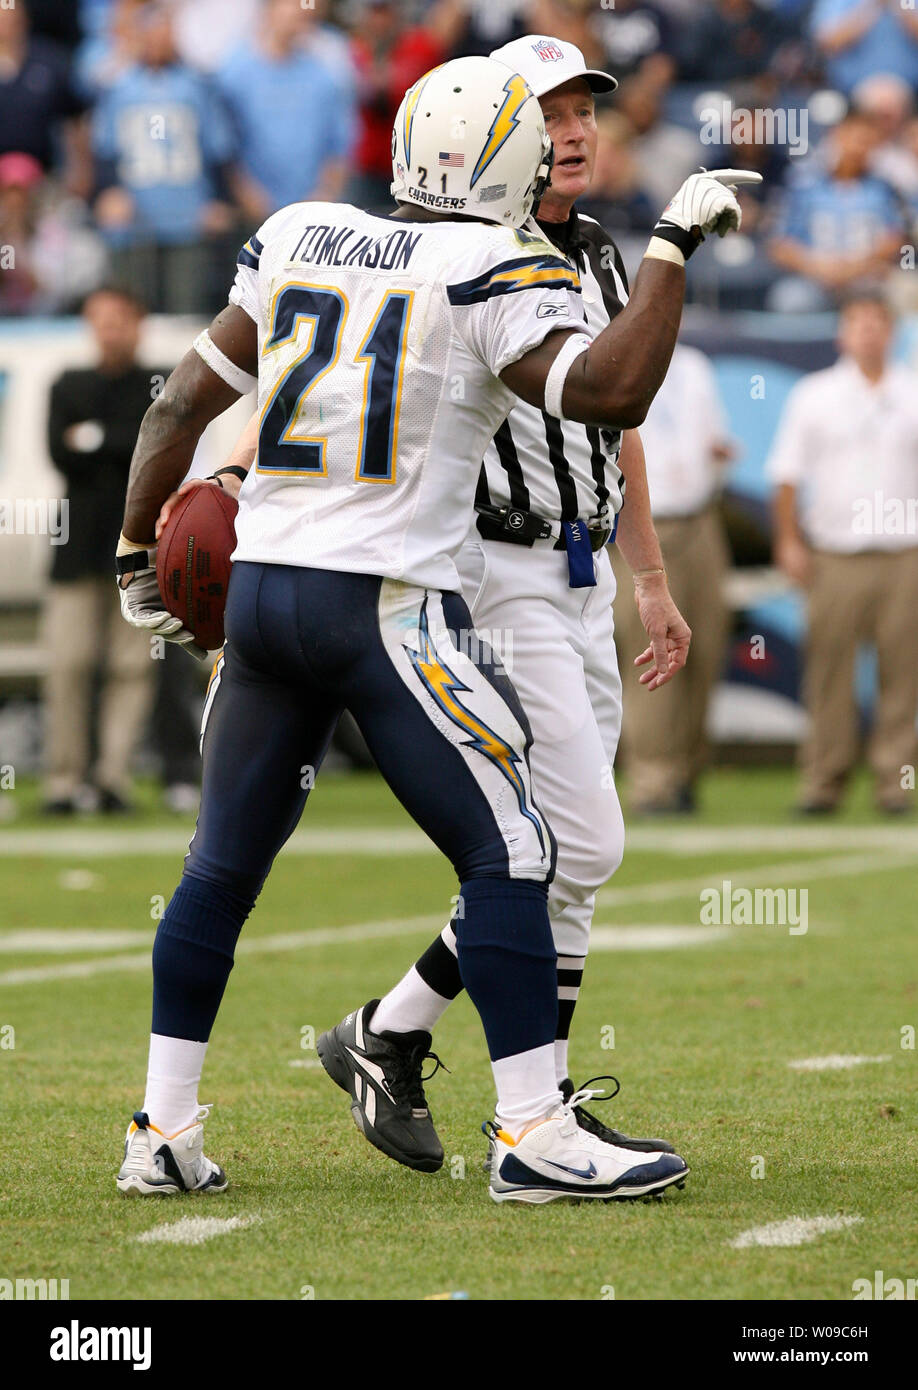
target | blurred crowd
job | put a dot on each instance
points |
(141, 139)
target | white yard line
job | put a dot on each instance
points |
(254, 946)
(79, 842)
(755, 839)
(79, 970)
(659, 938)
(793, 1230)
(617, 937)
(194, 1230)
(835, 1061)
(47, 940)
(85, 843)
(791, 873)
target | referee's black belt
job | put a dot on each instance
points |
(519, 527)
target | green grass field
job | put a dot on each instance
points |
(704, 1030)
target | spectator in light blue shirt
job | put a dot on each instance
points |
(858, 38)
(163, 146)
(293, 112)
(838, 228)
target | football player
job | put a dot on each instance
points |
(345, 592)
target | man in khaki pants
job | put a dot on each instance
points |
(685, 443)
(93, 421)
(845, 466)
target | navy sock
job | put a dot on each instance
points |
(193, 957)
(507, 960)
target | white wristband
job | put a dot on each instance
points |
(557, 374)
(218, 362)
(659, 249)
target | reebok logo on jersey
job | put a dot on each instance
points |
(550, 311)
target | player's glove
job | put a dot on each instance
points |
(141, 603)
(705, 203)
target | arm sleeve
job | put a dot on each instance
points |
(787, 460)
(620, 267)
(244, 291)
(511, 307)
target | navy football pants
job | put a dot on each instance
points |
(447, 732)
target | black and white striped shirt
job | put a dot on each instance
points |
(559, 469)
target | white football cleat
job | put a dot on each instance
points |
(159, 1164)
(557, 1159)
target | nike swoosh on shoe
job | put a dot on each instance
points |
(589, 1172)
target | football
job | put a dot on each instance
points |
(193, 561)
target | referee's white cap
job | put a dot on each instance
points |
(546, 63)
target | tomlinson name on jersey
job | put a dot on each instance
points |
(325, 245)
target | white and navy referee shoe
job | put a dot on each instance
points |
(381, 1072)
(157, 1164)
(557, 1159)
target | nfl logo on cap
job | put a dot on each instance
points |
(548, 51)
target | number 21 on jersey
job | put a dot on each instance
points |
(281, 448)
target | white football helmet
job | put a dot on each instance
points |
(469, 138)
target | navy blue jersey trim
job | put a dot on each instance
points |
(250, 254)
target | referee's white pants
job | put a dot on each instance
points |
(558, 647)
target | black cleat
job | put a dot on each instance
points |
(381, 1072)
(610, 1136)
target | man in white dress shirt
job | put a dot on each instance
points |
(845, 466)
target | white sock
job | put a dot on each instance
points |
(561, 1071)
(411, 1005)
(526, 1088)
(173, 1074)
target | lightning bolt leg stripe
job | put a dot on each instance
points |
(445, 688)
(478, 711)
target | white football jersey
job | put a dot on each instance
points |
(380, 347)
